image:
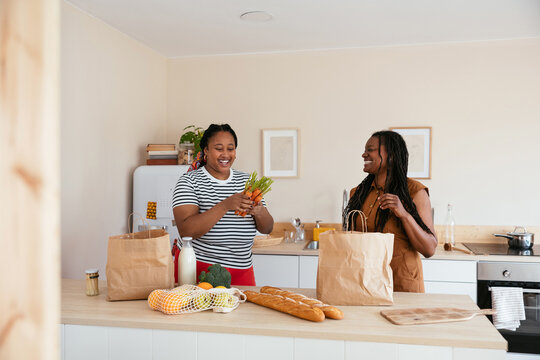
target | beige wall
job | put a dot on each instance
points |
(481, 99)
(113, 103)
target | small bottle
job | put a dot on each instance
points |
(317, 230)
(449, 229)
(187, 264)
(92, 287)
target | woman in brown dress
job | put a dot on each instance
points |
(395, 204)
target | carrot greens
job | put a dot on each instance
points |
(256, 189)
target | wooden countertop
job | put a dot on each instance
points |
(440, 253)
(361, 323)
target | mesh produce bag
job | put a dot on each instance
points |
(187, 299)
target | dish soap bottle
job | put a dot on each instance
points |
(187, 267)
(449, 229)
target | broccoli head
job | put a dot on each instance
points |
(216, 275)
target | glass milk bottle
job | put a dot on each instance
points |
(449, 228)
(187, 264)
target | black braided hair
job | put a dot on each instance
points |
(396, 182)
(211, 131)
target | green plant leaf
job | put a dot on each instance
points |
(193, 135)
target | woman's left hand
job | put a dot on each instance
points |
(392, 202)
(256, 210)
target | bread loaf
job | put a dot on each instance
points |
(285, 305)
(329, 310)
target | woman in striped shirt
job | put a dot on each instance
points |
(204, 202)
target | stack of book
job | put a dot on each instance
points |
(161, 154)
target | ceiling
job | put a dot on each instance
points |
(179, 28)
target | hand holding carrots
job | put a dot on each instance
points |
(237, 202)
(256, 210)
(255, 189)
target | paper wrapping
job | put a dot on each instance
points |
(354, 268)
(138, 263)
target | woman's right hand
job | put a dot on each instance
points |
(239, 201)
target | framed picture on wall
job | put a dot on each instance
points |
(280, 152)
(418, 140)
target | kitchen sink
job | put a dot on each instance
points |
(312, 245)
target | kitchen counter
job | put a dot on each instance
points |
(440, 253)
(361, 323)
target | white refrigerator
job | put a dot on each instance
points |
(153, 188)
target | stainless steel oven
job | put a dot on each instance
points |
(526, 339)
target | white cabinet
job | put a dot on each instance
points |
(307, 273)
(111, 343)
(61, 338)
(434, 287)
(276, 270)
(86, 342)
(449, 270)
(286, 271)
(457, 277)
(132, 344)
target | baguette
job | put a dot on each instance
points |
(329, 311)
(285, 305)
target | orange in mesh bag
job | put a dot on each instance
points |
(189, 299)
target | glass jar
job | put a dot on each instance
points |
(185, 153)
(92, 286)
(300, 235)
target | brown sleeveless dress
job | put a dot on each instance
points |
(406, 263)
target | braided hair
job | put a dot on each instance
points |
(210, 132)
(396, 182)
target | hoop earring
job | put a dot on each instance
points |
(204, 158)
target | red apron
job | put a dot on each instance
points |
(239, 277)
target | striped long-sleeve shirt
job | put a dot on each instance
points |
(230, 241)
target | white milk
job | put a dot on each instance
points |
(187, 264)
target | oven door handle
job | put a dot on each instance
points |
(532, 291)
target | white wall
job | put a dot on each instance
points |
(113, 103)
(481, 99)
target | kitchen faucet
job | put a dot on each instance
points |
(344, 209)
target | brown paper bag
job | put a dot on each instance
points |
(354, 268)
(138, 263)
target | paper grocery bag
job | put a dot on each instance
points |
(138, 263)
(354, 268)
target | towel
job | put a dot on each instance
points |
(508, 303)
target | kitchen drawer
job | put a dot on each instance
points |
(276, 270)
(449, 270)
(453, 288)
(82, 342)
(307, 277)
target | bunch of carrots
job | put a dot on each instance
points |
(256, 189)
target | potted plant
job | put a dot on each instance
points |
(190, 144)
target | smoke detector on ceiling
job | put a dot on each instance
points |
(256, 16)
